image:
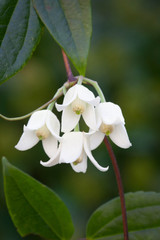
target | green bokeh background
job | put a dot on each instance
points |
(124, 59)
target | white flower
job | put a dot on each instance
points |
(111, 122)
(42, 125)
(78, 101)
(74, 149)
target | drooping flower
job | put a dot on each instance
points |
(78, 101)
(110, 121)
(74, 148)
(42, 125)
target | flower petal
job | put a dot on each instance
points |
(95, 139)
(89, 116)
(27, 140)
(110, 113)
(87, 96)
(53, 124)
(37, 119)
(69, 119)
(53, 161)
(120, 137)
(72, 144)
(95, 102)
(84, 93)
(98, 117)
(89, 154)
(50, 146)
(68, 99)
(82, 166)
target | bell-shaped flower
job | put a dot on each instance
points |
(42, 125)
(78, 101)
(111, 122)
(74, 148)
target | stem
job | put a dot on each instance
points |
(80, 80)
(97, 87)
(58, 94)
(68, 68)
(71, 81)
(120, 187)
(27, 115)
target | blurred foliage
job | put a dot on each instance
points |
(125, 60)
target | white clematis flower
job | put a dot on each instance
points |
(42, 125)
(78, 101)
(74, 149)
(111, 122)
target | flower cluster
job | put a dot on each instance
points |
(74, 146)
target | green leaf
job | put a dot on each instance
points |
(33, 207)
(20, 31)
(143, 212)
(69, 23)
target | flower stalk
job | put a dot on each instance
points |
(120, 187)
(58, 94)
(97, 88)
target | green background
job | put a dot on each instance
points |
(124, 59)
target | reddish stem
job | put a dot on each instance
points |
(70, 76)
(120, 187)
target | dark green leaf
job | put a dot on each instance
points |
(20, 32)
(69, 23)
(143, 212)
(33, 207)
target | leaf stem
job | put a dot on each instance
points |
(120, 187)
(70, 76)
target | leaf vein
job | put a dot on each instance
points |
(117, 216)
(30, 203)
